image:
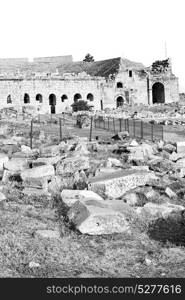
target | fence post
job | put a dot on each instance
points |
(60, 123)
(90, 135)
(114, 124)
(31, 133)
(152, 132)
(108, 123)
(134, 125)
(125, 121)
(128, 126)
(162, 133)
(141, 129)
(120, 121)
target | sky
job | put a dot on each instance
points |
(134, 29)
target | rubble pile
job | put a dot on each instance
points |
(106, 185)
(164, 114)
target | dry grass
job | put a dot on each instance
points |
(76, 255)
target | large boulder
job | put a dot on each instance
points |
(180, 166)
(155, 211)
(38, 172)
(50, 151)
(16, 164)
(48, 160)
(113, 162)
(141, 152)
(81, 149)
(72, 164)
(181, 147)
(69, 197)
(118, 183)
(2, 200)
(169, 148)
(96, 218)
(3, 159)
(162, 165)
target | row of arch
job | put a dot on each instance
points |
(52, 98)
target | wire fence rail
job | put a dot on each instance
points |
(136, 128)
(62, 126)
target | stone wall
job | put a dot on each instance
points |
(134, 88)
(69, 87)
(54, 59)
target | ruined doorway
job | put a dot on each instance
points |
(158, 95)
(119, 101)
(52, 103)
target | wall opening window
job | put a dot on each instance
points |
(9, 99)
(158, 93)
(77, 97)
(90, 97)
(39, 98)
(52, 103)
(26, 98)
(63, 98)
(119, 85)
(130, 73)
(119, 101)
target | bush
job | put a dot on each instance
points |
(80, 105)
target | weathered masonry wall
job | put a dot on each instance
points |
(137, 88)
(69, 87)
(133, 90)
(171, 87)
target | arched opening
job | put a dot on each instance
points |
(158, 95)
(119, 101)
(63, 98)
(119, 85)
(52, 102)
(9, 99)
(26, 98)
(90, 97)
(39, 98)
(77, 97)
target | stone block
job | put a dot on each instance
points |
(118, 183)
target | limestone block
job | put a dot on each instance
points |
(3, 159)
(69, 197)
(2, 200)
(16, 164)
(72, 164)
(50, 151)
(96, 218)
(118, 183)
(181, 147)
(113, 162)
(155, 211)
(38, 172)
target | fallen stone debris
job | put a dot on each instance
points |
(105, 185)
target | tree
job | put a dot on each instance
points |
(80, 106)
(88, 58)
(160, 66)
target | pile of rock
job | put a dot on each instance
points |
(132, 181)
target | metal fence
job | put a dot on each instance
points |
(136, 128)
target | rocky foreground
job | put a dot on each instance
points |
(98, 188)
